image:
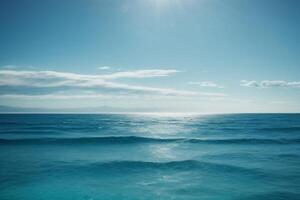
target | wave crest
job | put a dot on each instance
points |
(136, 139)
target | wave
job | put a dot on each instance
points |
(136, 139)
(88, 140)
(175, 165)
(136, 166)
(289, 155)
(275, 195)
(281, 129)
(32, 132)
(248, 141)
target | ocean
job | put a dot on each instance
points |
(149, 156)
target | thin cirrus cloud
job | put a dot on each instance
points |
(56, 96)
(140, 74)
(205, 84)
(104, 68)
(68, 96)
(271, 84)
(101, 83)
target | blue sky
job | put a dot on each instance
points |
(165, 55)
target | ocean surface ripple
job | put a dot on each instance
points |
(144, 156)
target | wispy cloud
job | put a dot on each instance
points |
(99, 96)
(270, 84)
(52, 79)
(14, 67)
(205, 84)
(140, 74)
(56, 96)
(102, 84)
(104, 68)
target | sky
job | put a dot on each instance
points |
(206, 56)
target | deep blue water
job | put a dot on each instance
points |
(110, 156)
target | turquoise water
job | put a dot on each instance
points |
(110, 156)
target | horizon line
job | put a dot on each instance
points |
(149, 113)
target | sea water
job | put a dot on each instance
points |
(140, 156)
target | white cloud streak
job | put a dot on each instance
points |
(271, 84)
(51, 79)
(68, 96)
(140, 74)
(205, 84)
(104, 68)
(56, 96)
